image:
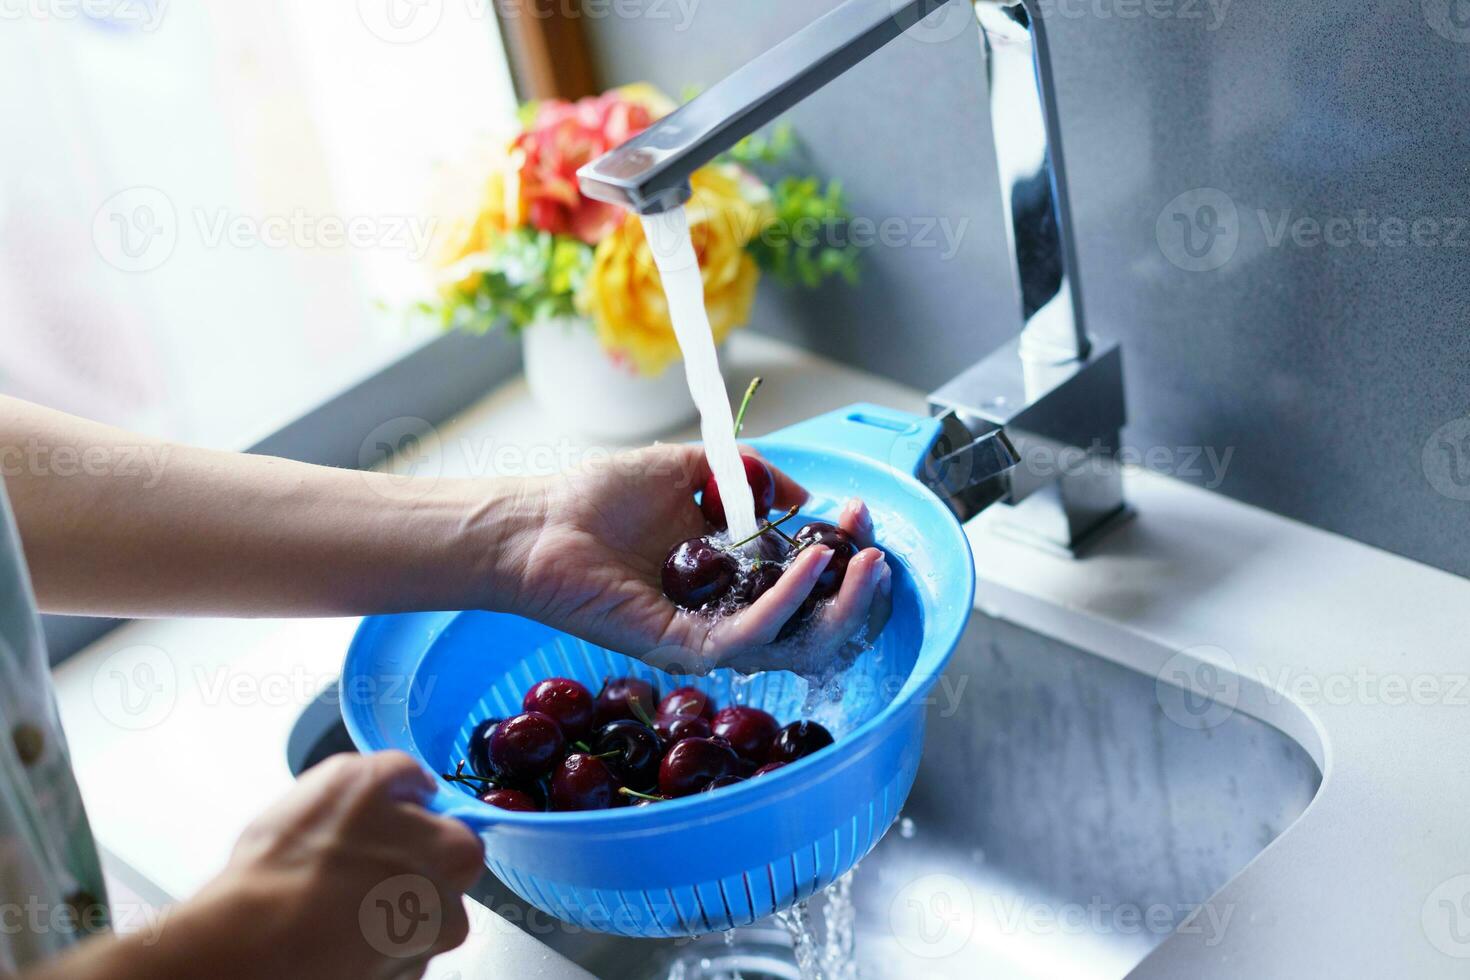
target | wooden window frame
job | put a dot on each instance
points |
(547, 48)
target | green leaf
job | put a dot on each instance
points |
(764, 149)
(808, 241)
(527, 276)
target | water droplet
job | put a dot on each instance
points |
(839, 915)
(798, 926)
(906, 828)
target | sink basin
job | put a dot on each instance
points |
(1061, 825)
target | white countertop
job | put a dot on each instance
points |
(1359, 655)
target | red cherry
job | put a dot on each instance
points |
(696, 573)
(676, 728)
(798, 740)
(624, 698)
(692, 763)
(844, 549)
(525, 746)
(631, 751)
(756, 581)
(748, 730)
(582, 782)
(567, 702)
(511, 799)
(762, 488)
(687, 701)
(720, 782)
(479, 747)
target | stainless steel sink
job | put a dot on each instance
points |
(1061, 826)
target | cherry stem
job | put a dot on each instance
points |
(637, 705)
(641, 796)
(581, 746)
(460, 776)
(755, 383)
(768, 526)
(608, 755)
(785, 517)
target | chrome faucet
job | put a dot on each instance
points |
(1054, 391)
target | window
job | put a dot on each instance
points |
(211, 213)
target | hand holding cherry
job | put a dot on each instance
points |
(709, 575)
(826, 580)
(585, 553)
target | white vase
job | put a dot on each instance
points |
(583, 390)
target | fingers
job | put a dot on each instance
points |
(689, 467)
(411, 970)
(398, 777)
(762, 622)
(388, 790)
(882, 603)
(456, 927)
(450, 925)
(857, 522)
(683, 465)
(439, 854)
(865, 598)
(850, 608)
(789, 493)
(351, 782)
(452, 853)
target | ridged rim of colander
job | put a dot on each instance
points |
(788, 778)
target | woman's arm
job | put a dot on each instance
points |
(199, 532)
(117, 524)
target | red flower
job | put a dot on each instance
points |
(564, 136)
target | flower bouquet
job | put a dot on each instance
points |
(519, 246)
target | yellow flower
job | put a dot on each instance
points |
(624, 295)
(649, 96)
(474, 201)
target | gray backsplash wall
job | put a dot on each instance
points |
(1335, 374)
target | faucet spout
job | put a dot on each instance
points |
(1036, 425)
(650, 172)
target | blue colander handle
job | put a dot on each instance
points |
(457, 806)
(888, 435)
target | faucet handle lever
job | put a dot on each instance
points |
(965, 467)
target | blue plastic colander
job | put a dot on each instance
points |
(419, 682)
